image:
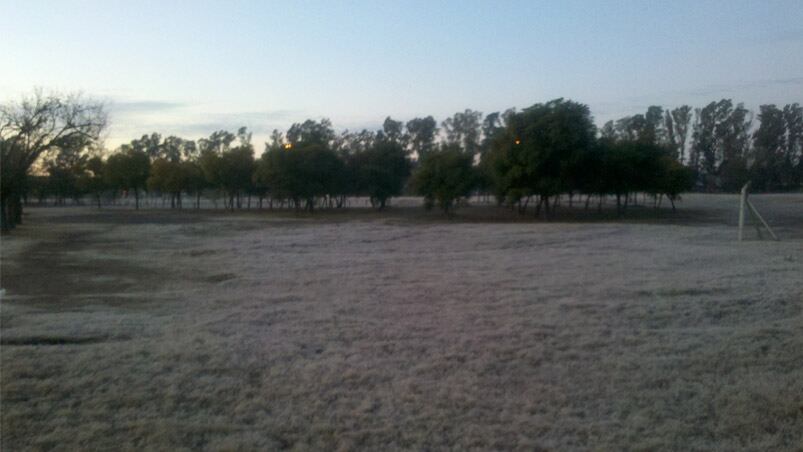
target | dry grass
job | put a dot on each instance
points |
(169, 331)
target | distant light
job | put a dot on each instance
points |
(518, 141)
(288, 146)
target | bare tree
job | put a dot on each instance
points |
(36, 125)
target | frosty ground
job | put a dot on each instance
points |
(402, 330)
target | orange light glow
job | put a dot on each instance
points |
(518, 141)
(288, 146)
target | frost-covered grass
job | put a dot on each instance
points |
(268, 331)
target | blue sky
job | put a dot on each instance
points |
(191, 67)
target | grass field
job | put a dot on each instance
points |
(163, 330)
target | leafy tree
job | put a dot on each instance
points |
(217, 143)
(445, 177)
(233, 168)
(276, 140)
(792, 175)
(631, 128)
(721, 134)
(210, 158)
(676, 123)
(92, 180)
(168, 177)
(463, 129)
(492, 128)
(128, 170)
(608, 131)
(311, 132)
(36, 125)
(195, 180)
(675, 179)
(382, 172)
(422, 133)
(63, 182)
(393, 131)
(175, 148)
(150, 145)
(769, 143)
(654, 131)
(356, 142)
(300, 174)
(541, 150)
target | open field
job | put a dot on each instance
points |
(403, 330)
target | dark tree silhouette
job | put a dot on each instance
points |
(128, 170)
(445, 177)
(422, 133)
(36, 125)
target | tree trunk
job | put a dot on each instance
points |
(5, 225)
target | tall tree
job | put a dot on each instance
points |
(463, 129)
(422, 133)
(382, 172)
(793, 153)
(128, 170)
(444, 177)
(654, 131)
(769, 145)
(38, 124)
(150, 145)
(542, 149)
(676, 124)
(393, 131)
(720, 144)
(492, 128)
(311, 132)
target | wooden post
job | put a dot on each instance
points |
(742, 202)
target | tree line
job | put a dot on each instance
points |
(526, 159)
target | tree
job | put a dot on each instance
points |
(300, 174)
(631, 128)
(445, 177)
(721, 135)
(34, 126)
(393, 131)
(92, 179)
(175, 148)
(311, 132)
(541, 150)
(492, 127)
(769, 144)
(350, 143)
(463, 129)
(195, 180)
(654, 131)
(677, 126)
(382, 172)
(792, 176)
(422, 133)
(168, 177)
(210, 156)
(128, 170)
(231, 168)
(675, 179)
(150, 145)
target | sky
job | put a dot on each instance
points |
(189, 68)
